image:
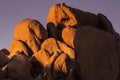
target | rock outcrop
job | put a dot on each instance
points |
(76, 45)
(55, 56)
(71, 17)
(28, 33)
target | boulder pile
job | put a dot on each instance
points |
(76, 45)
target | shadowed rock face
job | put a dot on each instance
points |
(53, 32)
(3, 57)
(19, 66)
(97, 54)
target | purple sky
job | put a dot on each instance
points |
(13, 11)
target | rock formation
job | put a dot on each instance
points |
(76, 45)
(28, 35)
(55, 53)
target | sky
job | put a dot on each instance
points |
(14, 11)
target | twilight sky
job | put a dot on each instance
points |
(13, 11)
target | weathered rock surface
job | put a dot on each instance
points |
(68, 35)
(60, 13)
(19, 67)
(77, 45)
(71, 17)
(52, 45)
(97, 54)
(3, 57)
(56, 57)
(19, 46)
(28, 36)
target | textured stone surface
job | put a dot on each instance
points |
(31, 32)
(19, 66)
(19, 46)
(56, 57)
(60, 13)
(97, 55)
(3, 57)
(68, 35)
(52, 45)
(77, 45)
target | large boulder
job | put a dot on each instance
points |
(60, 13)
(31, 32)
(3, 57)
(68, 35)
(17, 45)
(97, 54)
(72, 17)
(19, 66)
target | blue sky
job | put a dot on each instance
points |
(13, 11)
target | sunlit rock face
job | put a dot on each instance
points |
(18, 46)
(60, 13)
(75, 18)
(68, 35)
(29, 33)
(55, 56)
(76, 45)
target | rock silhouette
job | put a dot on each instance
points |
(76, 45)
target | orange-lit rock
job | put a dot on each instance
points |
(18, 46)
(60, 13)
(31, 32)
(57, 54)
(77, 45)
(68, 35)
(52, 45)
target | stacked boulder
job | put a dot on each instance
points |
(77, 45)
(28, 36)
